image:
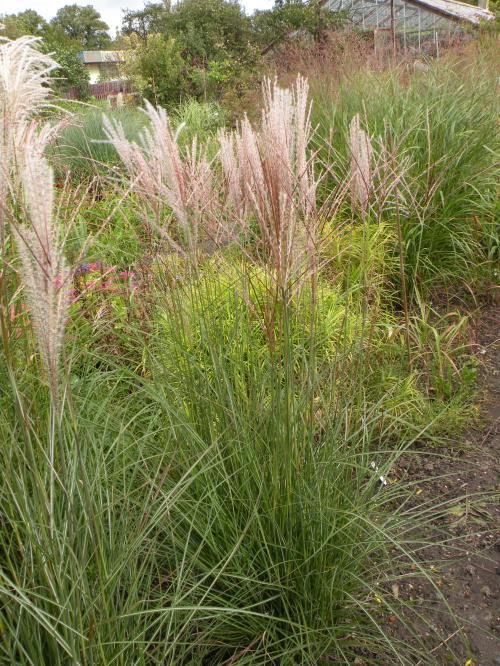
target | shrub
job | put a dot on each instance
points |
(71, 71)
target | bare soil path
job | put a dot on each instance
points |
(469, 564)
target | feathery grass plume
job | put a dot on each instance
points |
(44, 273)
(239, 157)
(270, 177)
(361, 165)
(165, 182)
(24, 77)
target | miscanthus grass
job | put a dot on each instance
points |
(441, 127)
(230, 498)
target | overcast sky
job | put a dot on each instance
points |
(110, 10)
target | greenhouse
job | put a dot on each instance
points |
(418, 18)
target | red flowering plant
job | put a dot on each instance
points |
(19, 318)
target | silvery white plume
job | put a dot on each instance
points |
(167, 181)
(269, 177)
(24, 77)
(361, 165)
(43, 271)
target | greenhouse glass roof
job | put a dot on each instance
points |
(410, 15)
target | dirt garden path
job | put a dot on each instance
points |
(468, 579)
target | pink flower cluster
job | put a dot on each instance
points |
(106, 281)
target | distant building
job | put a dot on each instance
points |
(102, 65)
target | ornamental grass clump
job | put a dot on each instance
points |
(438, 126)
(225, 493)
(259, 189)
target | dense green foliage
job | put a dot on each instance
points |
(290, 17)
(73, 26)
(159, 71)
(71, 71)
(83, 25)
(28, 22)
(193, 49)
(149, 20)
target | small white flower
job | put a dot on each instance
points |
(382, 480)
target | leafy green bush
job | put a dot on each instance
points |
(71, 73)
(200, 119)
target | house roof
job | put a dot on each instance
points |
(89, 57)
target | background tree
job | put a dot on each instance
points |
(28, 22)
(152, 19)
(83, 25)
(289, 16)
(207, 27)
(196, 48)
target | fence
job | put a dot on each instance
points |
(100, 90)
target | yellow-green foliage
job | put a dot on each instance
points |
(361, 253)
(243, 315)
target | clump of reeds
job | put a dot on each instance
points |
(434, 140)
